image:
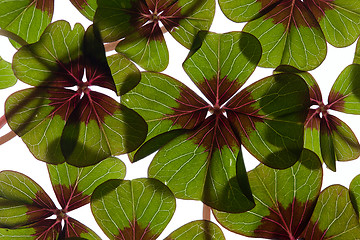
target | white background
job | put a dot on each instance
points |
(14, 155)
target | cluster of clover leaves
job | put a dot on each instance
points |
(281, 119)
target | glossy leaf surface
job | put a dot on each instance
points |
(138, 23)
(73, 186)
(7, 78)
(197, 230)
(201, 165)
(325, 134)
(136, 209)
(205, 162)
(53, 120)
(23, 199)
(345, 93)
(334, 216)
(26, 18)
(284, 200)
(29, 206)
(268, 116)
(295, 32)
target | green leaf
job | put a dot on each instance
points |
(137, 22)
(26, 18)
(135, 209)
(155, 143)
(334, 216)
(44, 230)
(345, 93)
(53, 120)
(166, 104)
(39, 121)
(86, 7)
(74, 228)
(327, 144)
(339, 20)
(284, 200)
(289, 34)
(73, 186)
(52, 61)
(126, 75)
(344, 145)
(355, 193)
(115, 129)
(7, 78)
(197, 230)
(152, 55)
(22, 199)
(269, 116)
(194, 16)
(222, 63)
(357, 53)
(202, 165)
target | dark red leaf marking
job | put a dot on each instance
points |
(312, 120)
(73, 228)
(45, 6)
(217, 90)
(67, 74)
(99, 75)
(41, 208)
(286, 223)
(243, 116)
(146, 16)
(313, 232)
(331, 122)
(191, 110)
(70, 198)
(336, 100)
(215, 132)
(319, 7)
(315, 95)
(47, 229)
(79, 4)
(95, 106)
(292, 13)
(64, 101)
(136, 232)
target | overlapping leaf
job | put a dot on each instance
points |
(136, 209)
(55, 121)
(289, 205)
(26, 18)
(197, 230)
(205, 161)
(295, 32)
(25, 207)
(7, 78)
(325, 134)
(140, 209)
(86, 7)
(357, 53)
(29, 18)
(137, 24)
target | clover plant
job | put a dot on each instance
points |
(85, 104)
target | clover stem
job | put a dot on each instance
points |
(206, 212)
(7, 137)
(13, 36)
(2, 121)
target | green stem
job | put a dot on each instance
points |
(13, 36)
